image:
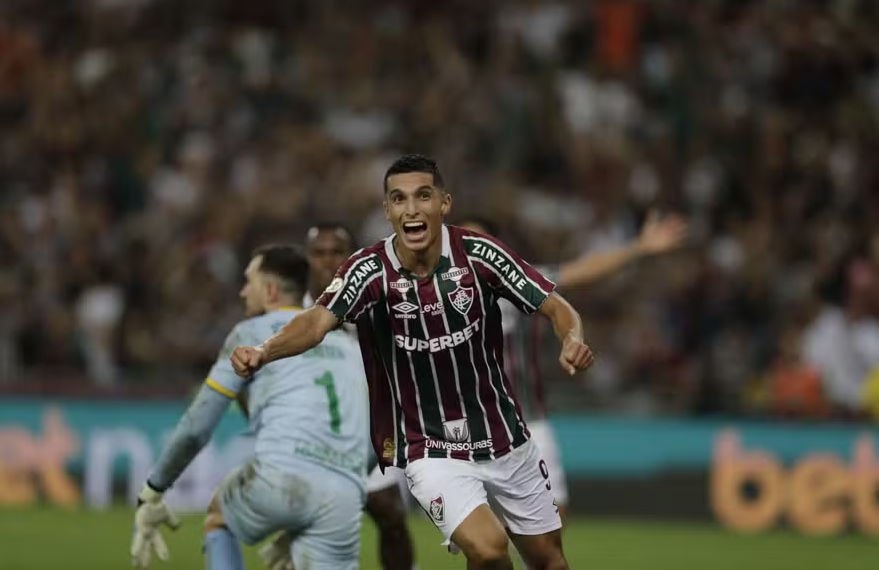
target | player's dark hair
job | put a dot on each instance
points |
(287, 263)
(488, 225)
(335, 227)
(415, 163)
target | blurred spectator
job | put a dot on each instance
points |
(842, 344)
(795, 386)
(99, 309)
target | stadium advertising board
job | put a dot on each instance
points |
(749, 476)
(92, 453)
(819, 479)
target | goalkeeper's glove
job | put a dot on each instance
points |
(276, 554)
(151, 514)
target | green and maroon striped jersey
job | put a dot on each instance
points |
(433, 346)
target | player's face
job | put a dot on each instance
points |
(255, 290)
(416, 208)
(327, 251)
(474, 227)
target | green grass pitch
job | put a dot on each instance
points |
(44, 538)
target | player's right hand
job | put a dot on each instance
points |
(246, 360)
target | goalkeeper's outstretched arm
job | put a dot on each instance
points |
(192, 433)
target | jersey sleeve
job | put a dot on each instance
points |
(551, 271)
(356, 287)
(511, 276)
(222, 377)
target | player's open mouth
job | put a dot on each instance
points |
(414, 230)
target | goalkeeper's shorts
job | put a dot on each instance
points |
(320, 507)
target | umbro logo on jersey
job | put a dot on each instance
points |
(405, 309)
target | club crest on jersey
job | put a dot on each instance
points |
(457, 431)
(461, 298)
(402, 285)
(438, 509)
(455, 273)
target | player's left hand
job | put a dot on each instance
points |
(152, 513)
(576, 355)
(276, 554)
(662, 234)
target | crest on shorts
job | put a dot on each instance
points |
(438, 509)
(461, 298)
(388, 448)
(457, 431)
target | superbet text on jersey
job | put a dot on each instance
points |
(433, 346)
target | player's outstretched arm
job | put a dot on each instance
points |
(568, 327)
(658, 235)
(192, 433)
(304, 332)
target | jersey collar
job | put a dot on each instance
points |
(395, 261)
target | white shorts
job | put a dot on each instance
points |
(513, 486)
(543, 435)
(378, 481)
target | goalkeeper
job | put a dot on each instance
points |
(311, 420)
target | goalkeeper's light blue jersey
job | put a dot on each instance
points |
(312, 407)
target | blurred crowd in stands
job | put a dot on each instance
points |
(148, 145)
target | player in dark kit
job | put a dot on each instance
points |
(425, 301)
